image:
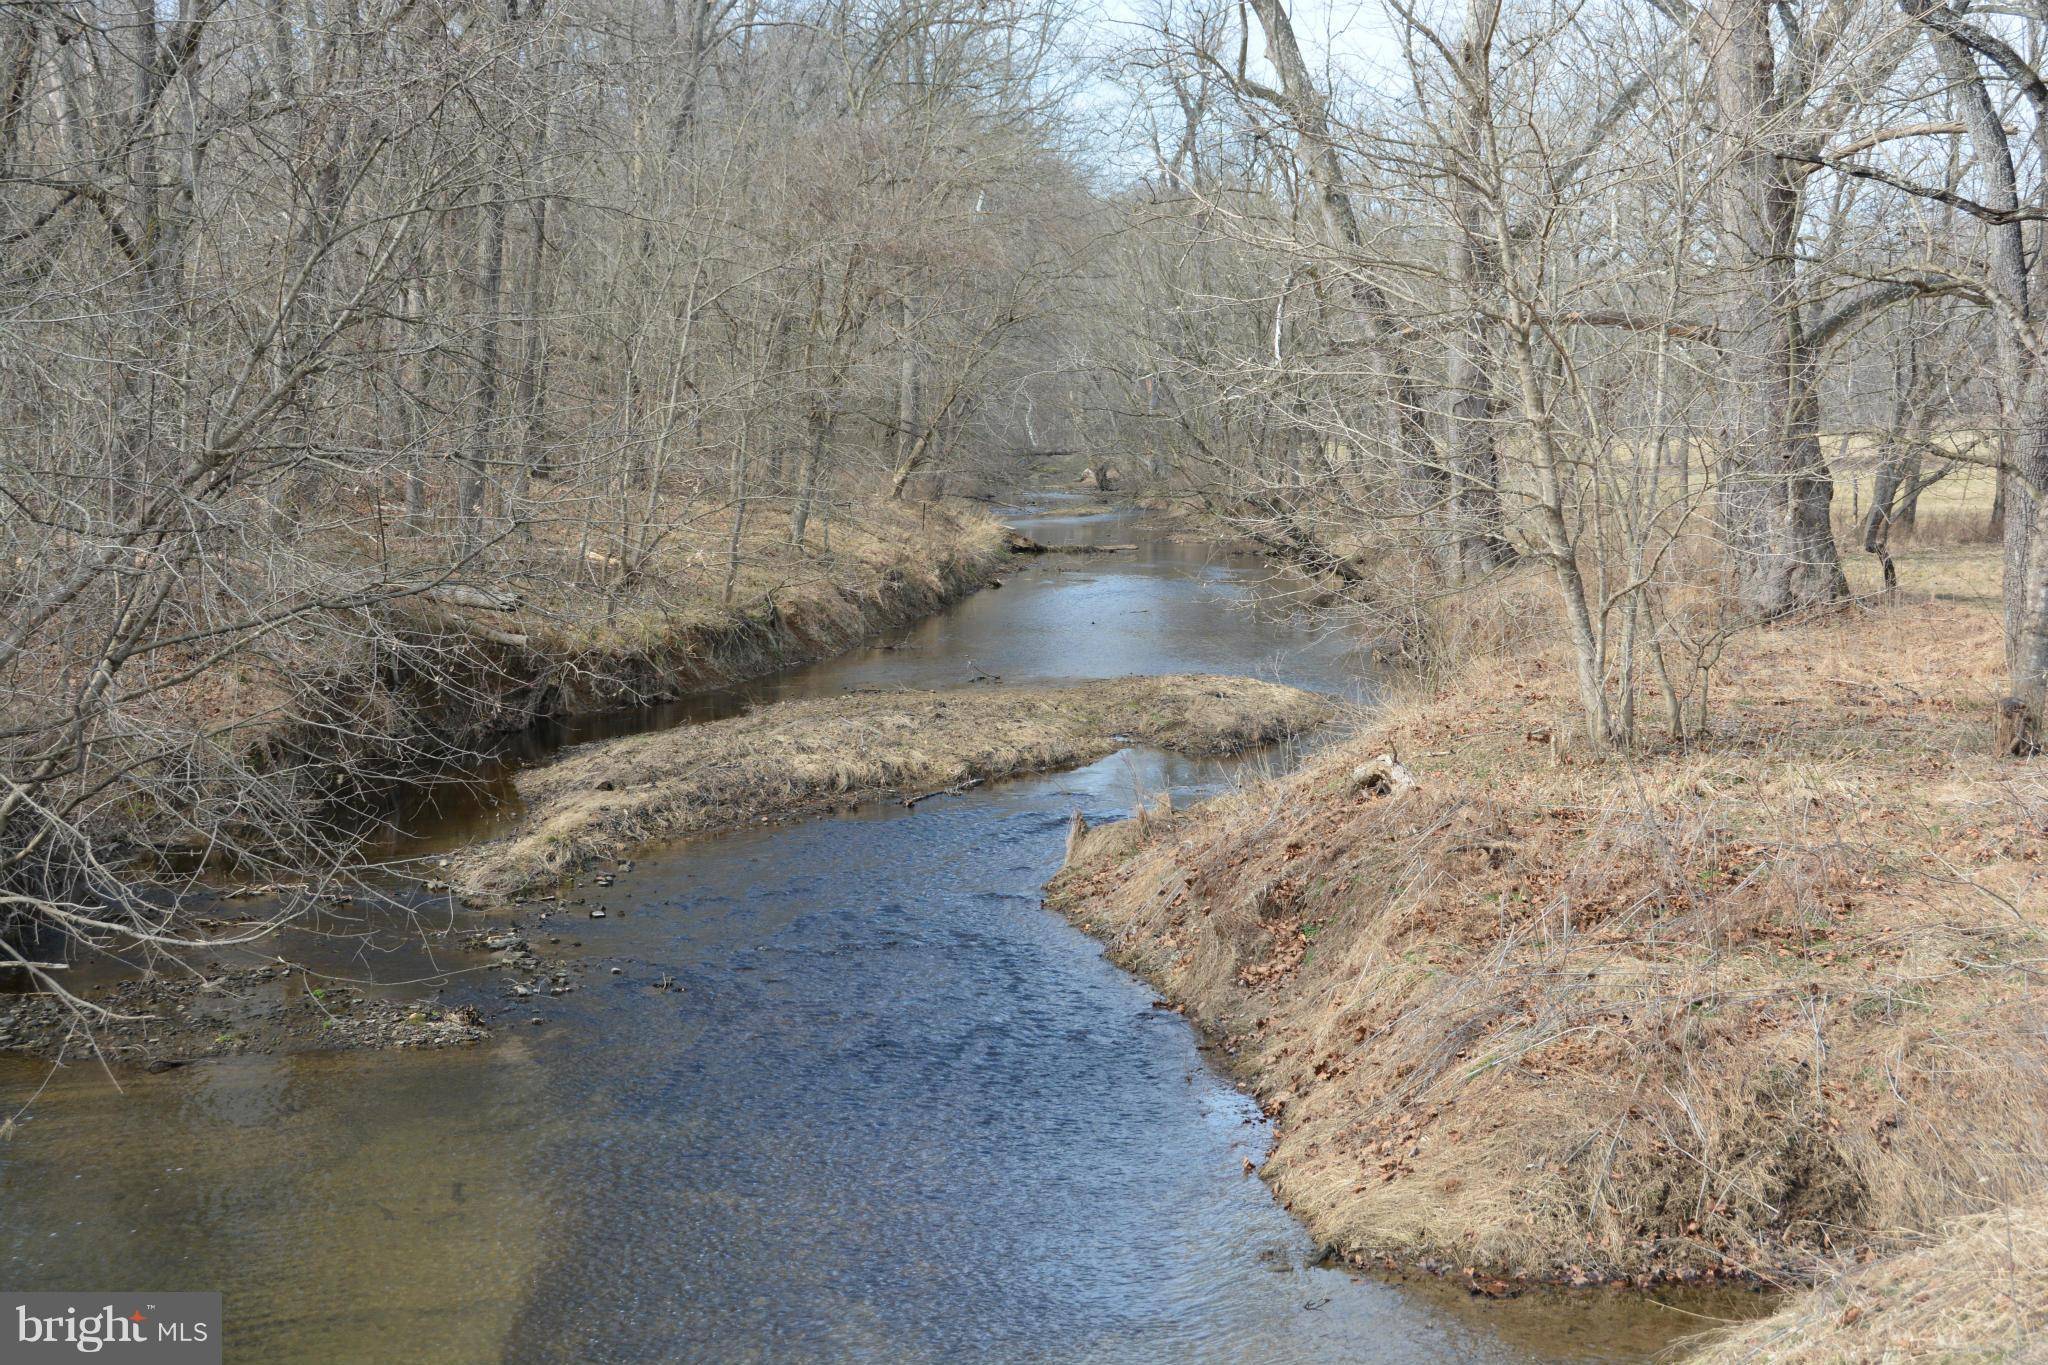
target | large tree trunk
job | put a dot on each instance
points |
(1775, 486)
(2027, 621)
(2026, 566)
(2025, 439)
(2024, 475)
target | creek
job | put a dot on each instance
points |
(852, 1094)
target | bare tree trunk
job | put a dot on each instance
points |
(1776, 490)
(1896, 485)
(2023, 473)
(402, 417)
(739, 508)
(1303, 102)
(2025, 437)
(1559, 549)
(908, 448)
(1907, 515)
(819, 430)
(481, 442)
(532, 395)
(2028, 652)
(1475, 405)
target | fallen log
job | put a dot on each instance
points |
(1021, 544)
(481, 599)
(954, 790)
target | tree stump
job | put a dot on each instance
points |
(1383, 776)
(2018, 734)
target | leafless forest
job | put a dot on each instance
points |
(332, 326)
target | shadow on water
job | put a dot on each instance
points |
(851, 1094)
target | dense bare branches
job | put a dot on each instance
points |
(320, 317)
(315, 313)
(1588, 291)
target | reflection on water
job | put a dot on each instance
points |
(350, 1208)
(852, 1095)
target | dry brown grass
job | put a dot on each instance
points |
(1727, 1009)
(1979, 1294)
(682, 585)
(333, 718)
(797, 756)
(610, 625)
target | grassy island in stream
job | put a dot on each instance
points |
(795, 757)
(1757, 1005)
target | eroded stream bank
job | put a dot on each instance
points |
(851, 1093)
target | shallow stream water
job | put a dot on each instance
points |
(853, 1094)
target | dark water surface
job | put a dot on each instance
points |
(853, 1096)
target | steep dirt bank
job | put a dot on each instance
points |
(452, 676)
(1736, 1009)
(383, 723)
(794, 757)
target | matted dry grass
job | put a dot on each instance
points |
(1734, 1009)
(598, 631)
(1979, 1294)
(793, 757)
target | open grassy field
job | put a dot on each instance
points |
(1956, 509)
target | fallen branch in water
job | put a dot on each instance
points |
(1021, 544)
(944, 791)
